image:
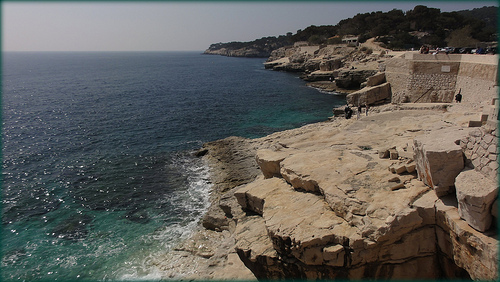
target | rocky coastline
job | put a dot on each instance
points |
(385, 196)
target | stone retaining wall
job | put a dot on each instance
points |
(425, 78)
(481, 151)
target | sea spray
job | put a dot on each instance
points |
(190, 205)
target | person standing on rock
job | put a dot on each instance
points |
(348, 112)
(359, 111)
(458, 97)
(366, 110)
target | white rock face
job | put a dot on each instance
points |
(474, 251)
(269, 161)
(370, 95)
(439, 159)
(376, 79)
(475, 195)
(325, 208)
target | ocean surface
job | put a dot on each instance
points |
(98, 174)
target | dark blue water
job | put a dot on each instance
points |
(98, 172)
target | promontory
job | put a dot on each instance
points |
(406, 191)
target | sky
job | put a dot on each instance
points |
(177, 25)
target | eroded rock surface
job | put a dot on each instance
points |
(321, 202)
(439, 158)
(331, 211)
(475, 195)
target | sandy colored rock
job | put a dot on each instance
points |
(475, 195)
(315, 202)
(376, 79)
(439, 159)
(370, 95)
(473, 251)
(335, 214)
(269, 162)
(252, 196)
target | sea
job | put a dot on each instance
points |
(99, 176)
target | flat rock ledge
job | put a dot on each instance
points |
(346, 199)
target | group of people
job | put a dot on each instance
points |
(424, 49)
(348, 111)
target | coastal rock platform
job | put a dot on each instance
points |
(319, 202)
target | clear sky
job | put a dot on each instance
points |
(173, 26)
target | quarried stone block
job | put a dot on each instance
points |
(475, 195)
(438, 159)
(370, 95)
(376, 79)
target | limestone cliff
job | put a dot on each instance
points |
(338, 68)
(343, 200)
(240, 52)
(261, 48)
(407, 191)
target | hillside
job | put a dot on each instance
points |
(396, 29)
(257, 48)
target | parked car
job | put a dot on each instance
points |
(491, 50)
(478, 51)
(446, 50)
(465, 50)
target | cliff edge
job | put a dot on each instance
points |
(407, 191)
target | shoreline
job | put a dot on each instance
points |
(211, 248)
(236, 234)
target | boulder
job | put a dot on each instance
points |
(370, 95)
(384, 153)
(352, 78)
(215, 219)
(330, 65)
(425, 206)
(376, 79)
(398, 168)
(269, 161)
(475, 195)
(393, 154)
(439, 159)
(252, 196)
(410, 167)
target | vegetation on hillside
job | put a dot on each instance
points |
(265, 44)
(396, 29)
(402, 30)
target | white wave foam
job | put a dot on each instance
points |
(191, 202)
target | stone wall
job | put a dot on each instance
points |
(478, 78)
(465, 161)
(397, 72)
(424, 78)
(481, 151)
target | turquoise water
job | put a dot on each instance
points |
(99, 176)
